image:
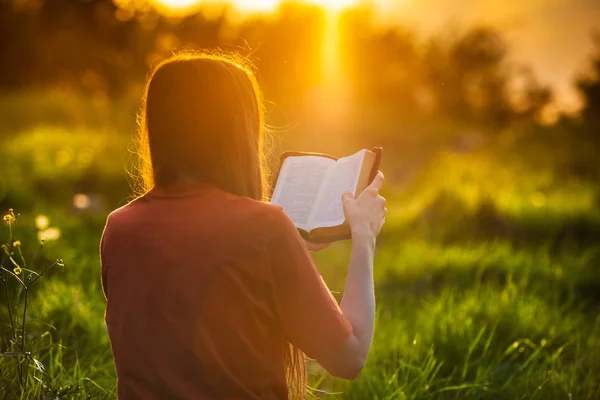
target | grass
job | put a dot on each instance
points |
(485, 290)
(482, 322)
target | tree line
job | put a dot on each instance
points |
(464, 78)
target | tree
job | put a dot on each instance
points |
(589, 88)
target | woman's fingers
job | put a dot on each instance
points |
(347, 196)
(316, 246)
(378, 181)
(367, 211)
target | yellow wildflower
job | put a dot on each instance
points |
(16, 243)
(10, 216)
(17, 270)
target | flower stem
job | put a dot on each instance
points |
(24, 378)
(9, 306)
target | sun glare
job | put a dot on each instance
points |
(182, 6)
(176, 7)
(256, 5)
(179, 3)
(333, 89)
(335, 5)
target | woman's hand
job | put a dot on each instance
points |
(315, 246)
(366, 213)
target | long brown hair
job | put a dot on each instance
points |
(202, 117)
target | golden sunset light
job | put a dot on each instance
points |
(178, 3)
(183, 6)
(335, 5)
(193, 199)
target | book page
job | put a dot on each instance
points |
(343, 177)
(298, 186)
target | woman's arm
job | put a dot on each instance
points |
(366, 216)
(339, 338)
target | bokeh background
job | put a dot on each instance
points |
(488, 269)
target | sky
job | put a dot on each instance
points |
(554, 37)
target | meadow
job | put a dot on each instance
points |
(487, 271)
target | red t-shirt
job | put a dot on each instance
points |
(203, 291)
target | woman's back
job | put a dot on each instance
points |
(211, 293)
(205, 289)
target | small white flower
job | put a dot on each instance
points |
(49, 234)
(81, 201)
(42, 222)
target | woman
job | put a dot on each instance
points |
(211, 292)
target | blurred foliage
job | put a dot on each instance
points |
(49, 164)
(99, 48)
(411, 94)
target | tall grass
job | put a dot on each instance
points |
(487, 277)
(483, 322)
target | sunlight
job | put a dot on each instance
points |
(178, 3)
(330, 100)
(187, 6)
(331, 50)
(334, 5)
(176, 7)
(183, 6)
(256, 5)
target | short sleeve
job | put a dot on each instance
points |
(310, 317)
(103, 266)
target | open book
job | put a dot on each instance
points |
(310, 186)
